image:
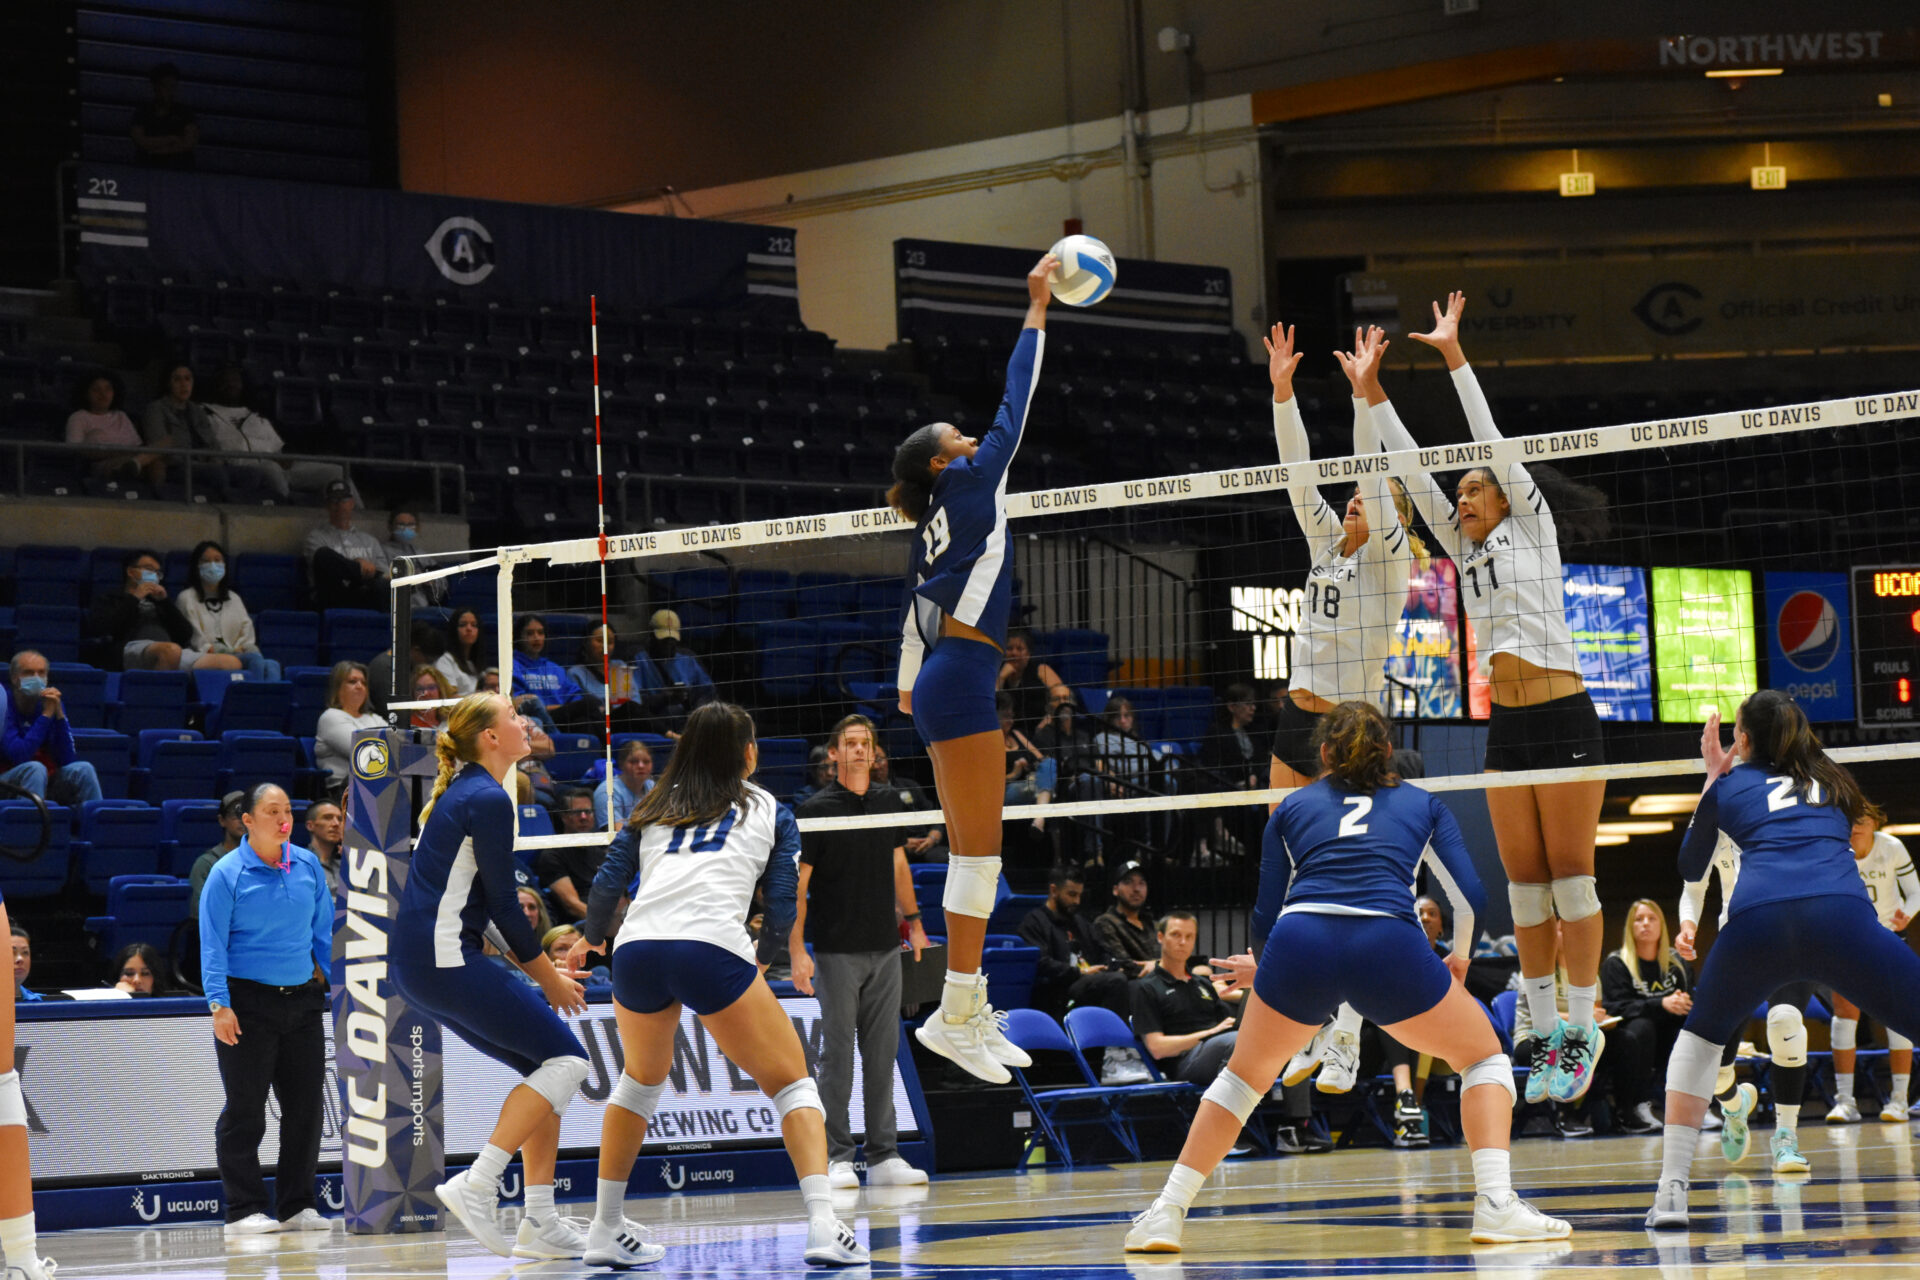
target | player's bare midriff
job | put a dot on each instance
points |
(952, 626)
(1515, 682)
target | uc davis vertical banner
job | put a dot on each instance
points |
(393, 1150)
(1810, 642)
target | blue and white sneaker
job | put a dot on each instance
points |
(1735, 1134)
(1580, 1049)
(1546, 1056)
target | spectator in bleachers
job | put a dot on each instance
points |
(233, 427)
(619, 791)
(1648, 988)
(619, 689)
(819, 774)
(429, 684)
(1031, 772)
(147, 630)
(1073, 970)
(349, 568)
(558, 940)
(104, 426)
(22, 964)
(490, 680)
(218, 616)
(532, 905)
(538, 677)
(1234, 761)
(140, 970)
(923, 844)
(36, 741)
(165, 134)
(1125, 930)
(174, 420)
(1030, 683)
(1078, 768)
(232, 831)
(403, 530)
(686, 683)
(347, 712)
(462, 663)
(567, 871)
(1132, 768)
(326, 832)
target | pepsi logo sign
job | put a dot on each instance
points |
(1808, 630)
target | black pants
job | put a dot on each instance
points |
(1640, 1048)
(1106, 990)
(283, 1045)
(338, 584)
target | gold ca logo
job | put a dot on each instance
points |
(370, 759)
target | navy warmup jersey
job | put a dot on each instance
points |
(962, 563)
(1793, 843)
(462, 873)
(1334, 851)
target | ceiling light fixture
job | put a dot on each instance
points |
(1745, 73)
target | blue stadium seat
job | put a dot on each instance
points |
(763, 595)
(825, 595)
(188, 828)
(140, 908)
(1010, 973)
(852, 653)
(261, 705)
(1186, 713)
(175, 764)
(877, 603)
(268, 582)
(565, 634)
(290, 637)
(104, 571)
(353, 635)
(573, 755)
(149, 700)
(117, 838)
(309, 698)
(248, 756)
(787, 659)
(210, 687)
(20, 829)
(783, 765)
(44, 575)
(1078, 656)
(702, 598)
(51, 629)
(110, 755)
(83, 693)
(1009, 911)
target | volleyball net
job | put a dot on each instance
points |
(1704, 557)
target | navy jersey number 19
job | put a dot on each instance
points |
(705, 839)
(937, 535)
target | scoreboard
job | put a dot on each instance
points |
(1886, 653)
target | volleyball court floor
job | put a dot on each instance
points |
(1348, 1214)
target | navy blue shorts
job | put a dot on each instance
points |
(953, 694)
(651, 973)
(1385, 968)
(1834, 939)
(488, 1007)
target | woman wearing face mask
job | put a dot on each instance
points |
(403, 536)
(219, 617)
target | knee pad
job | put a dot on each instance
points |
(1574, 898)
(1694, 1066)
(1896, 1042)
(557, 1080)
(1532, 904)
(1845, 1033)
(1496, 1068)
(1233, 1094)
(630, 1095)
(803, 1094)
(13, 1103)
(973, 885)
(1787, 1036)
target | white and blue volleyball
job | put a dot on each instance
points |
(1086, 271)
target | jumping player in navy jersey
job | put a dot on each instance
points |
(19, 1247)
(1799, 912)
(462, 882)
(701, 840)
(1335, 922)
(952, 642)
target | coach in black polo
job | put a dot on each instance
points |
(851, 883)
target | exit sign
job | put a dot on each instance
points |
(1576, 184)
(1769, 177)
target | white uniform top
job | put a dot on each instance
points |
(1892, 882)
(1693, 896)
(696, 883)
(1353, 602)
(1511, 582)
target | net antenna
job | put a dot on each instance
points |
(600, 510)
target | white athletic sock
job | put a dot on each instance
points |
(960, 999)
(540, 1201)
(488, 1166)
(1676, 1152)
(1538, 993)
(1901, 1079)
(1786, 1116)
(610, 1201)
(1493, 1173)
(17, 1242)
(1347, 1021)
(818, 1195)
(1183, 1184)
(1843, 1086)
(1580, 1002)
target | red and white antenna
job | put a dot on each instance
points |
(600, 504)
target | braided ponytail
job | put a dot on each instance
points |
(1360, 746)
(459, 742)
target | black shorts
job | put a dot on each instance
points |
(1561, 734)
(1293, 738)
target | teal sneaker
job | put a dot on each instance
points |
(1735, 1134)
(1546, 1054)
(1786, 1152)
(1580, 1049)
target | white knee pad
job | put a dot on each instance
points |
(1897, 1042)
(801, 1095)
(1234, 1094)
(1495, 1068)
(1694, 1066)
(557, 1080)
(630, 1095)
(1574, 898)
(1845, 1033)
(1787, 1036)
(1532, 904)
(973, 885)
(13, 1103)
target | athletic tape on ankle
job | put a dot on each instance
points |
(1495, 1068)
(630, 1095)
(1693, 1067)
(557, 1080)
(1574, 897)
(1787, 1036)
(1845, 1032)
(973, 885)
(1532, 904)
(803, 1094)
(13, 1103)
(1234, 1094)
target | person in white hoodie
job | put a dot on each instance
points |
(218, 616)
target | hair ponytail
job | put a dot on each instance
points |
(706, 776)
(1360, 746)
(459, 742)
(1783, 740)
(913, 476)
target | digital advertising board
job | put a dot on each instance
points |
(1703, 642)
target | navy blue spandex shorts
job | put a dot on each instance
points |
(651, 973)
(488, 1007)
(1385, 968)
(953, 694)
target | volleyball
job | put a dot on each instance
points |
(1086, 271)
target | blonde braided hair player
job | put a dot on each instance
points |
(953, 639)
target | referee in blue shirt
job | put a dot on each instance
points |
(266, 944)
